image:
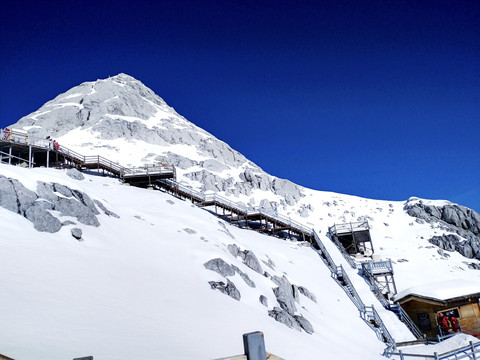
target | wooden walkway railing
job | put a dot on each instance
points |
(21, 139)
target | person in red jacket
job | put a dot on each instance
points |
(443, 323)
(454, 323)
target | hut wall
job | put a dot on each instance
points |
(470, 318)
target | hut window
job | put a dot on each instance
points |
(452, 312)
(424, 321)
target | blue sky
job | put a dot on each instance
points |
(379, 99)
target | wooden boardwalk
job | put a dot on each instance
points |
(247, 217)
(16, 148)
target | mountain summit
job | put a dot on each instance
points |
(127, 122)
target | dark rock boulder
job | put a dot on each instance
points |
(228, 288)
(284, 294)
(77, 233)
(220, 266)
(304, 324)
(454, 218)
(36, 207)
(75, 174)
(244, 276)
(42, 219)
(252, 262)
(285, 318)
(305, 292)
(105, 210)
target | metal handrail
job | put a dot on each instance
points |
(377, 267)
(408, 322)
(349, 227)
(342, 250)
(328, 259)
(471, 351)
(371, 312)
(350, 288)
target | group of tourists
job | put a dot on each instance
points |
(7, 134)
(448, 323)
(53, 144)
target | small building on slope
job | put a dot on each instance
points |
(458, 298)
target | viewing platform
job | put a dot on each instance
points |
(353, 238)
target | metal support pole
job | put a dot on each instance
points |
(48, 157)
(10, 155)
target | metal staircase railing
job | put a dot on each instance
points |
(376, 291)
(343, 251)
(21, 138)
(403, 316)
(376, 323)
(344, 281)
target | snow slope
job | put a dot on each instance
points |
(136, 287)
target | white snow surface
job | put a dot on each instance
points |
(136, 287)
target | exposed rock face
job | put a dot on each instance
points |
(285, 294)
(252, 262)
(220, 266)
(247, 256)
(304, 323)
(281, 315)
(77, 233)
(75, 174)
(38, 207)
(304, 291)
(457, 219)
(105, 210)
(244, 276)
(228, 288)
(123, 107)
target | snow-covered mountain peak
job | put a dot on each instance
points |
(127, 122)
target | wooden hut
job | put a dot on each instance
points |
(458, 298)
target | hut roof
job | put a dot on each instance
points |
(442, 291)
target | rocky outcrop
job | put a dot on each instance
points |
(77, 233)
(247, 256)
(304, 324)
(220, 266)
(468, 248)
(285, 294)
(75, 174)
(453, 218)
(51, 198)
(305, 292)
(452, 214)
(282, 316)
(228, 288)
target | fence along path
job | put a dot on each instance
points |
(61, 154)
